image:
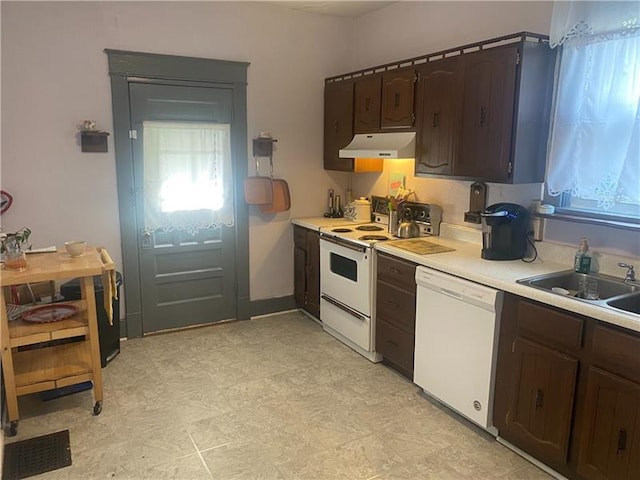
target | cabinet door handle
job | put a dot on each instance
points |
(394, 270)
(483, 116)
(539, 398)
(396, 99)
(367, 104)
(436, 119)
(622, 440)
(336, 126)
(395, 304)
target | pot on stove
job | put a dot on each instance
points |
(408, 228)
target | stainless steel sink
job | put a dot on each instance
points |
(628, 303)
(613, 293)
(608, 287)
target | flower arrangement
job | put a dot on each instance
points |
(15, 241)
(401, 196)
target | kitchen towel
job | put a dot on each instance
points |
(110, 292)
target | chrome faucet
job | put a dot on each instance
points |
(631, 274)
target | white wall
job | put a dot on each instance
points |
(409, 29)
(55, 74)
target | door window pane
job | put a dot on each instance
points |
(188, 181)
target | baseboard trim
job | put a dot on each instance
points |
(246, 310)
(531, 459)
(272, 305)
(317, 320)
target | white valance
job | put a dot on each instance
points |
(188, 181)
(593, 20)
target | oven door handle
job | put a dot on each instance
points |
(343, 307)
(343, 243)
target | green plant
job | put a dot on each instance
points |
(16, 240)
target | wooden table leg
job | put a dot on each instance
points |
(88, 293)
(7, 362)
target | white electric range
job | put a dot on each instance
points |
(347, 275)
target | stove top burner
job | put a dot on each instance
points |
(342, 230)
(380, 238)
(369, 228)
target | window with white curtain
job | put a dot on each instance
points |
(188, 182)
(593, 165)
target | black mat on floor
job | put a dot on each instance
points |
(36, 455)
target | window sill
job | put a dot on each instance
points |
(566, 217)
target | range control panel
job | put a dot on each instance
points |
(427, 216)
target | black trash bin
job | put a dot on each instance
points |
(109, 334)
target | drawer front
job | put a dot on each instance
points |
(551, 326)
(395, 346)
(617, 351)
(397, 272)
(396, 306)
(300, 237)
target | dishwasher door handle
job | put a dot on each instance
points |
(450, 293)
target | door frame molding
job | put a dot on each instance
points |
(126, 66)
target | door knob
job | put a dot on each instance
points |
(146, 239)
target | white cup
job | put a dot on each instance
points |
(75, 248)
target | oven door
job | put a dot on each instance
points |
(345, 274)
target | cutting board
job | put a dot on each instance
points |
(421, 247)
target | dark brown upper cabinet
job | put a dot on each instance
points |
(485, 115)
(481, 110)
(398, 99)
(437, 108)
(489, 79)
(384, 101)
(367, 104)
(506, 99)
(338, 129)
(338, 124)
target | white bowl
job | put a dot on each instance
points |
(76, 247)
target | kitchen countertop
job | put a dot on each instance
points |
(465, 262)
(316, 223)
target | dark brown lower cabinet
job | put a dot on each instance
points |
(568, 391)
(610, 443)
(541, 400)
(396, 312)
(306, 269)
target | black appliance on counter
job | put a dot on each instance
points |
(504, 231)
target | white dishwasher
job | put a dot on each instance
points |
(457, 326)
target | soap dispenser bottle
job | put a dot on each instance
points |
(582, 262)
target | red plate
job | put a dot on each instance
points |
(50, 313)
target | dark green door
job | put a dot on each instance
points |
(183, 187)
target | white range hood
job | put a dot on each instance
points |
(381, 145)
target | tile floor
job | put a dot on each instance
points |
(269, 398)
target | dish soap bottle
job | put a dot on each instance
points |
(582, 262)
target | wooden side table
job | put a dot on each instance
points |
(52, 362)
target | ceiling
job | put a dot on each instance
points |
(336, 8)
